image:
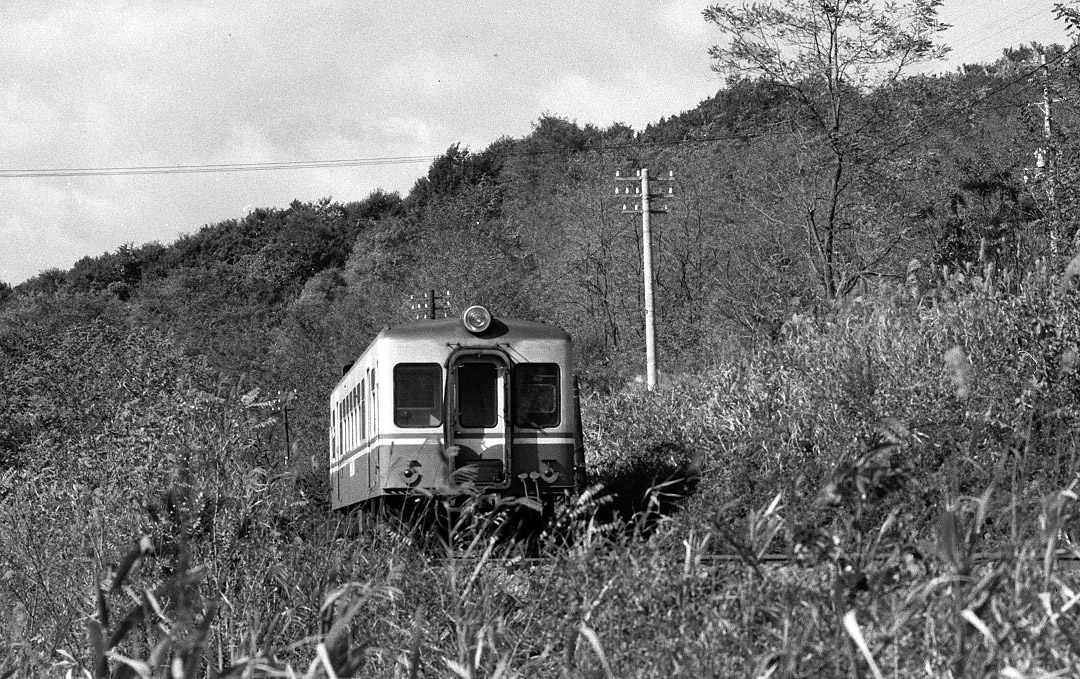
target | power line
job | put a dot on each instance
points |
(220, 167)
(775, 128)
(347, 162)
(975, 39)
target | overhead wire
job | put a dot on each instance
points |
(220, 167)
(346, 162)
(778, 128)
(975, 39)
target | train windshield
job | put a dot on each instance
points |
(418, 395)
(536, 395)
(478, 394)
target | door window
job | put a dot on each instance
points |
(478, 394)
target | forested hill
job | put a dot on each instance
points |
(938, 170)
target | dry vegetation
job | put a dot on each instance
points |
(917, 457)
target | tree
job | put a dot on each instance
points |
(829, 54)
(457, 170)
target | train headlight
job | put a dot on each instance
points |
(476, 319)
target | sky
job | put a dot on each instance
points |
(93, 93)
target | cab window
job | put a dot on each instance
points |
(478, 394)
(418, 395)
(536, 395)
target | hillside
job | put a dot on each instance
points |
(877, 375)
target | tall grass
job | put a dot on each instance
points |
(916, 459)
(616, 605)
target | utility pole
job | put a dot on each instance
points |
(1044, 157)
(645, 209)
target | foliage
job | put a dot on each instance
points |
(826, 54)
(887, 446)
(115, 434)
(457, 170)
(975, 385)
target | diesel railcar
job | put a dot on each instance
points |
(452, 407)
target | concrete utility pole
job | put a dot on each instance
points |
(644, 208)
(1044, 157)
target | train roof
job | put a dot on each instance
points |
(453, 330)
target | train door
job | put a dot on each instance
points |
(478, 402)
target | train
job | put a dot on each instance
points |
(453, 408)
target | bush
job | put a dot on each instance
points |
(975, 385)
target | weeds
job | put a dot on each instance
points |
(916, 461)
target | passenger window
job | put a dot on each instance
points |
(536, 395)
(418, 394)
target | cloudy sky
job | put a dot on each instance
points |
(129, 85)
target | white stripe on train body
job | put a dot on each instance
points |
(431, 407)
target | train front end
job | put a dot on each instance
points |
(458, 407)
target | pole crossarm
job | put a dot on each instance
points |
(635, 193)
(430, 305)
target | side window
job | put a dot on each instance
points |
(374, 387)
(363, 411)
(536, 395)
(334, 443)
(341, 427)
(418, 394)
(356, 415)
(348, 421)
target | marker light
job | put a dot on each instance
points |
(411, 475)
(548, 473)
(476, 319)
